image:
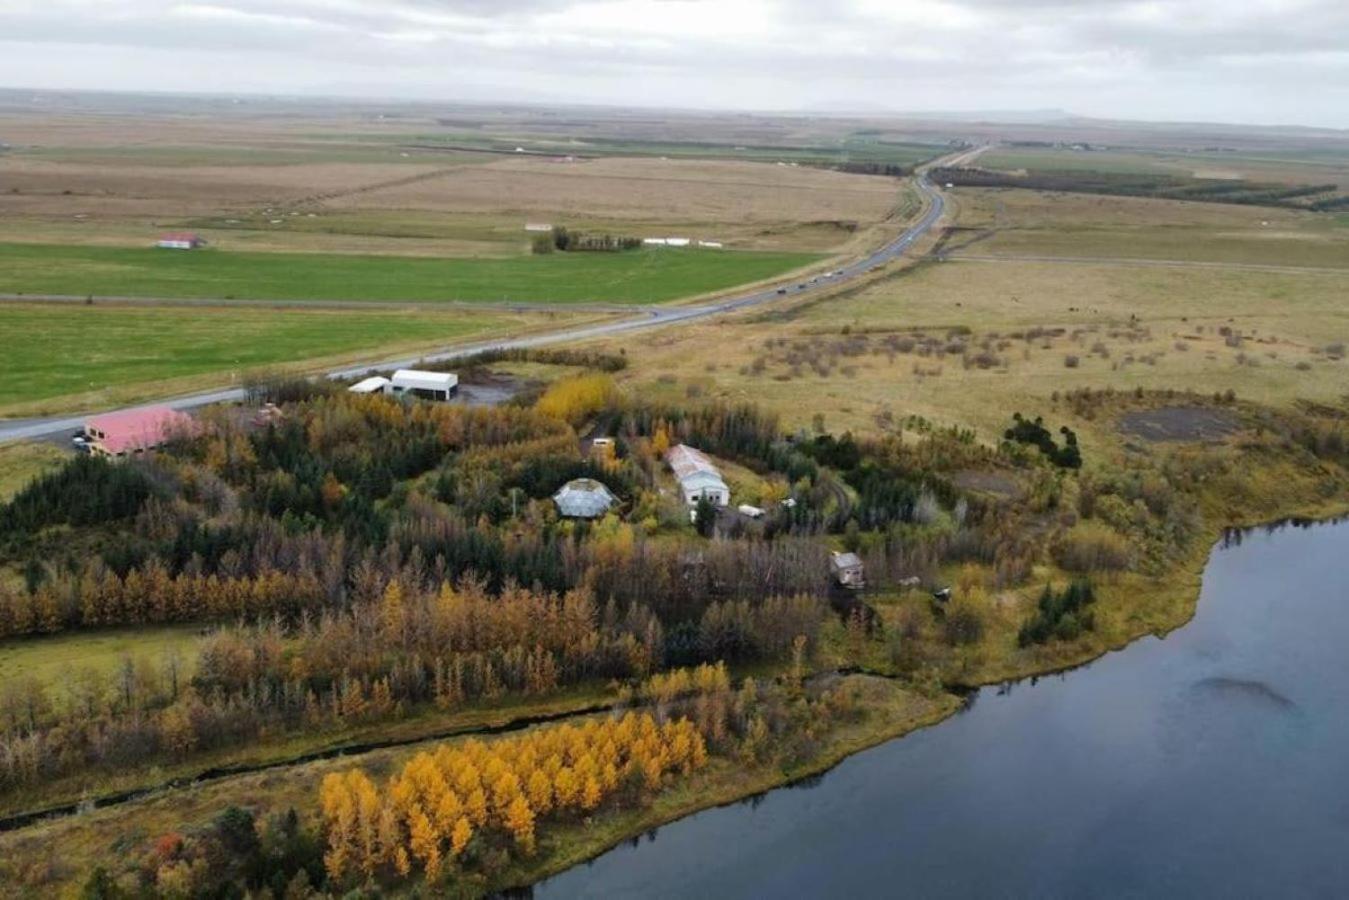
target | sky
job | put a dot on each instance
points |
(1242, 61)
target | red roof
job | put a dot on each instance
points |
(137, 428)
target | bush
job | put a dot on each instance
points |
(576, 399)
(1093, 547)
(963, 624)
(1060, 615)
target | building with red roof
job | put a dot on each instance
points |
(136, 430)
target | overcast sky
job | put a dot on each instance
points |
(1258, 61)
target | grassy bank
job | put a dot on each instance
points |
(52, 859)
(636, 277)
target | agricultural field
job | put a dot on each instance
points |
(106, 353)
(1330, 165)
(1000, 222)
(637, 277)
(344, 184)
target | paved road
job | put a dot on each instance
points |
(30, 429)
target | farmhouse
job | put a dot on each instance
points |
(584, 498)
(135, 430)
(847, 570)
(698, 478)
(426, 385)
(179, 240)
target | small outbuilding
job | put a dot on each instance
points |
(375, 384)
(847, 570)
(180, 240)
(603, 450)
(584, 498)
(439, 386)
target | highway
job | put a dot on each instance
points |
(46, 428)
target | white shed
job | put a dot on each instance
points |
(375, 384)
(426, 385)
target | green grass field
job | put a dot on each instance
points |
(74, 349)
(636, 277)
(21, 463)
(49, 658)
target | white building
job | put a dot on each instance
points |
(426, 385)
(375, 384)
(179, 240)
(538, 226)
(711, 245)
(698, 478)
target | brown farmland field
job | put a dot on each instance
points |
(342, 185)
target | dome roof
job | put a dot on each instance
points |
(584, 498)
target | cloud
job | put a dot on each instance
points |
(1191, 59)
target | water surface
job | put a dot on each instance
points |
(1211, 763)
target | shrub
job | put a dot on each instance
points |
(1093, 547)
(1071, 361)
(575, 399)
(1060, 615)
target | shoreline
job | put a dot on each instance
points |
(658, 814)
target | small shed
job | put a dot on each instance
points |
(602, 450)
(375, 384)
(426, 385)
(847, 570)
(584, 498)
(179, 240)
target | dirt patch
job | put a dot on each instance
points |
(998, 483)
(1180, 423)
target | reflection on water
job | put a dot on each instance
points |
(1214, 762)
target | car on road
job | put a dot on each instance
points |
(782, 290)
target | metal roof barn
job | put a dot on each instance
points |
(584, 498)
(698, 477)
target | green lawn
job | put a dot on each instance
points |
(50, 658)
(75, 349)
(637, 277)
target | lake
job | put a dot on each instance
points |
(1211, 763)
